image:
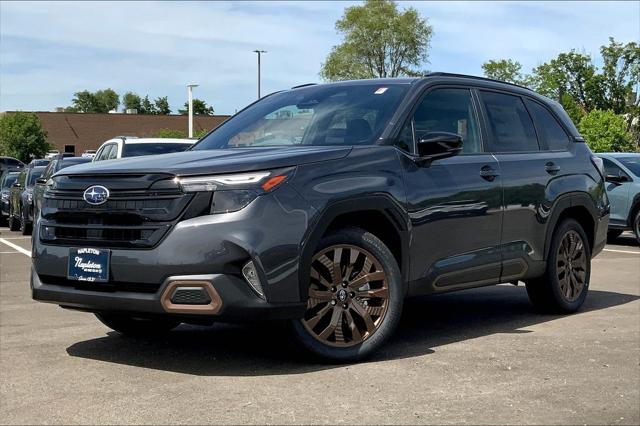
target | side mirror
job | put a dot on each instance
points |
(436, 145)
(616, 179)
(17, 185)
(41, 181)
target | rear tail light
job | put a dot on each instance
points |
(599, 164)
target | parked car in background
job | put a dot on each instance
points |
(622, 175)
(21, 199)
(51, 154)
(365, 193)
(39, 162)
(90, 153)
(9, 164)
(123, 147)
(6, 182)
(55, 165)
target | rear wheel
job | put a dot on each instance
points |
(565, 284)
(355, 297)
(138, 327)
(636, 226)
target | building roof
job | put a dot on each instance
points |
(88, 131)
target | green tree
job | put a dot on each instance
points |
(171, 133)
(147, 107)
(162, 105)
(131, 100)
(101, 101)
(606, 131)
(504, 69)
(378, 41)
(199, 108)
(620, 73)
(22, 136)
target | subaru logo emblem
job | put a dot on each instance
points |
(96, 195)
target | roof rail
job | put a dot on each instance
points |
(474, 77)
(304, 85)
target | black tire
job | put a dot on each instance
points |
(367, 245)
(636, 226)
(612, 234)
(25, 226)
(137, 327)
(545, 293)
(13, 224)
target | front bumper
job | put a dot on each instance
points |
(236, 300)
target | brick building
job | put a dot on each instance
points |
(78, 132)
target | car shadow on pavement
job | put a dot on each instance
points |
(626, 239)
(266, 348)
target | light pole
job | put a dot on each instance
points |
(259, 52)
(190, 91)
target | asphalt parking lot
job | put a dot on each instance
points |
(478, 356)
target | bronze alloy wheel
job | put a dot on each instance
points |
(348, 296)
(571, 266)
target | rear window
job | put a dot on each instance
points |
(510, 123)
(139, 149)
(548, 127)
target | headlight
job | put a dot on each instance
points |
(233, 192)
(5, 197)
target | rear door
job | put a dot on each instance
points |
(455, 203)
(528, 167)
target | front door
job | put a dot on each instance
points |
(455, 203)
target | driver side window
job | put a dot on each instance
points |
(445, 110)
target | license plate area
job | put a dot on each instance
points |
(88, 264)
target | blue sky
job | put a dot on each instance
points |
(50, 50)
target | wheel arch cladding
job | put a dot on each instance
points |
(375, 214)
(578, 206)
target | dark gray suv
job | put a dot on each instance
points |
(328, 205)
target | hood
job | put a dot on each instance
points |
(212, 161)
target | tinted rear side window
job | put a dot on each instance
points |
(511, 126)
(138, 149)
(548, 127)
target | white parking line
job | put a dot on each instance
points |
(16, 247)
(17, 238)
(622, 251)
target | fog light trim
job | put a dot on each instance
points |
(250, 275)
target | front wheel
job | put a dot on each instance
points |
(25, 227)
(137, 327)
(355, 297)
(636, 226)
(565, 284)
(14, 225)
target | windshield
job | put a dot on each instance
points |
(139, 149)
(340, 114)
(632, 163)
(35, 174)
(9, 180)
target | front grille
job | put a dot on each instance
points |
(138, 214)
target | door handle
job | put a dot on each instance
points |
(552, 168)
(489, 173)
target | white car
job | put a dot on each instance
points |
(127, 146)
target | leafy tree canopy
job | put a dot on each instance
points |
(22, 136)
(606, 131)
(199, 108)
(162, 105)
(101, 101)
(378, 41)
